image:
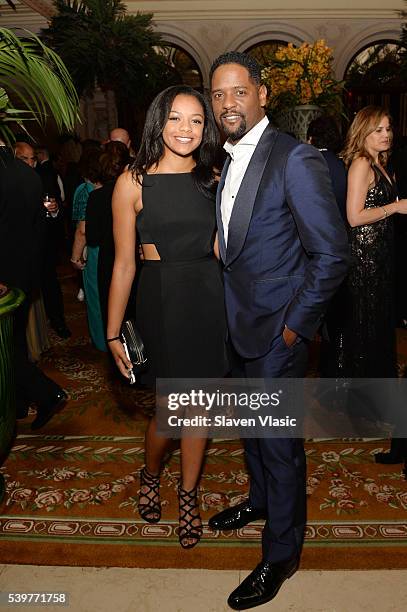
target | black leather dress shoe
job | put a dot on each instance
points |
(388, 458)
(262, 584)
(396, 454)
(22, 412)
(45, 412)
(236, 517)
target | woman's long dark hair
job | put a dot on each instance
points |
(152, 143)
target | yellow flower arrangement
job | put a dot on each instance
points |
(302, 75)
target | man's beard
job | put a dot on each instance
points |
(238, 133)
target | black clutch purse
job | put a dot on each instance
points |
(134, 348)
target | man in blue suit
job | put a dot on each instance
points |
(285, 252)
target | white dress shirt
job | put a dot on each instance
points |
(240, 154)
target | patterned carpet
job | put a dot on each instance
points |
(72, 487)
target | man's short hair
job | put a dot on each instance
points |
(324, 133)
(243, 59)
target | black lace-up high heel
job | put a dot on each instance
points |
(149, 510)
(190, 526)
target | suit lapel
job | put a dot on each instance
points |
(246, 196)
(221, 235)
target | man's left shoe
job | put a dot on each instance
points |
(22, 411)
(236, 517)
(262, 585)
(388, 458)
(396, 454)
(46, 411)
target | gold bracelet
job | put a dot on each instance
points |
(386, 214)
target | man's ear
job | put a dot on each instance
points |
(263, 95)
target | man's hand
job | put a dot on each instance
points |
(289, 336)
(52, 206)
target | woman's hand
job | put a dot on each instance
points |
(123, 363)
(52, 207)
(78, 264)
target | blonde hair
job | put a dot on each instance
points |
(365, 122)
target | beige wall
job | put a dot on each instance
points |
(206, 28)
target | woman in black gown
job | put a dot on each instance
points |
(169, 193)
(369, 341)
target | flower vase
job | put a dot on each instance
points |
(297, 119)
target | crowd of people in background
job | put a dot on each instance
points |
(42, 218)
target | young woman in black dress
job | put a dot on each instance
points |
(169, 194)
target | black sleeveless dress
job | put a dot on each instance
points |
(180, 309)
(369, 340)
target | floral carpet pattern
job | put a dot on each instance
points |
(72, 488)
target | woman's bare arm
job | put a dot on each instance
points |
(126, 195)
(360, 178)
(79, 244)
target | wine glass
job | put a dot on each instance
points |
(47, 202)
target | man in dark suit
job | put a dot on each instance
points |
(284, 249)
(22, 227)
(398, 163)
(51, 181)
(323, 133)
(51, 289)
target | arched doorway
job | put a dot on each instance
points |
(262, 51)
(183, 66)
(373, 76)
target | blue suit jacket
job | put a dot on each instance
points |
(287, 249)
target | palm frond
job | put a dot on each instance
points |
(34, 77)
